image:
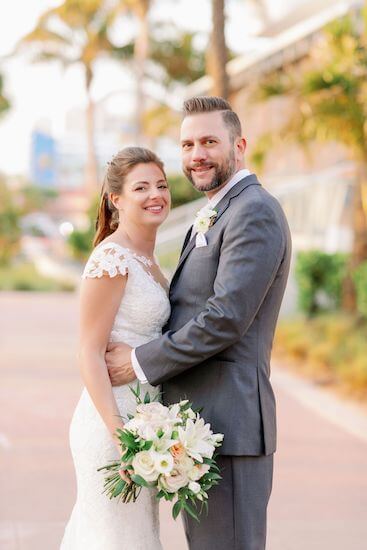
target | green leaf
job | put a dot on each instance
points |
(136, 392)
(146, 398)
(119, 487)
(190, 510)
(147, 445)
(157, 396)
(176, 509)
(187, 405)
(215, 476)
(139, 480)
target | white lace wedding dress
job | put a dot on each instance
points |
(97, 523)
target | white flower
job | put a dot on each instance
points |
(152, 411)
(153, 419)
(217, 439)
(198, 471)
(173, 482)
(133, 425)
(144, 466)
(190, 413)
(194, 487)
(196, 438)
(163, 444)
(163, 463)
(204, 219)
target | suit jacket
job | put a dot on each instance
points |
(225, 300)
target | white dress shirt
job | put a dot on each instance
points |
(238, 176)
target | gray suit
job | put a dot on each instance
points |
(216, 349)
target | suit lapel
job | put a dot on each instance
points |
(234, 192)
(187, 238)
(221, 207)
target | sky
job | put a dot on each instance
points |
(42, 94)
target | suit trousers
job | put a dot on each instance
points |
(236, 518)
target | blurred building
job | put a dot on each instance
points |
(315, 188)
(43, 170)
(298, 32)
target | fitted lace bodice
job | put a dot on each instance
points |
(96, 522)
(144, 307)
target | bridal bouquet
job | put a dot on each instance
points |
(169, 448)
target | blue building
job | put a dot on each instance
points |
(43, 160)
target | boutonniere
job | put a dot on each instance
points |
(204, 219)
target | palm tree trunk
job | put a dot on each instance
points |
(141, 51)
(91, 180)
(359, 225)
(216, 58)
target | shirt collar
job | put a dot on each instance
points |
(238, 176)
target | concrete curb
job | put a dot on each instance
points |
(345, 414)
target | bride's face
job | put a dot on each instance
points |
(145, 197)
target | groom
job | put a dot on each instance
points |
(215, 350)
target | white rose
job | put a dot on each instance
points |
(202, 226)
(184, 463)
(152, 411)
(144, 466)
(157, 417)
(173, 482)
(198, 471)
(194, 487)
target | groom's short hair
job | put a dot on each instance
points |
(210, 104)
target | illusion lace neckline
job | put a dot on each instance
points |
(143, 259)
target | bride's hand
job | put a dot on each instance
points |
(118, 361)
(124, 474)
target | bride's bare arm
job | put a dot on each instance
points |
(99, 303)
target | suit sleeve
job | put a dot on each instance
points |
(251, 252)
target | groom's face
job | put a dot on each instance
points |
(208, 151)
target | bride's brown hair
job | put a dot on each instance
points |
(121, 164)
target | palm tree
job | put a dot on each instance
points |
(174, 53)
(330, 105)
(76, 32)
(175, 62)
(4, 102)
(217, 54)
(140, 9)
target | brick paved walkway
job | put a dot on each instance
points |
(319, 500)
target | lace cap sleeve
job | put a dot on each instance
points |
(108, 259)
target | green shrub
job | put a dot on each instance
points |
(360, 281)
(328, 348)
(182, 191)
(25, 277)
(319, 277)
(10, 232)
(80, 241)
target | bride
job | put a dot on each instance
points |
(124, 297)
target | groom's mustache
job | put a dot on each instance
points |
(203, 165)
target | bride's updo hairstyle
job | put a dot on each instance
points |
(117, 170)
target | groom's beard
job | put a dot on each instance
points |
(222, 173)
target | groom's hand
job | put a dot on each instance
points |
(118, 361)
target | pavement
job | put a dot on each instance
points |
(319, 499)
